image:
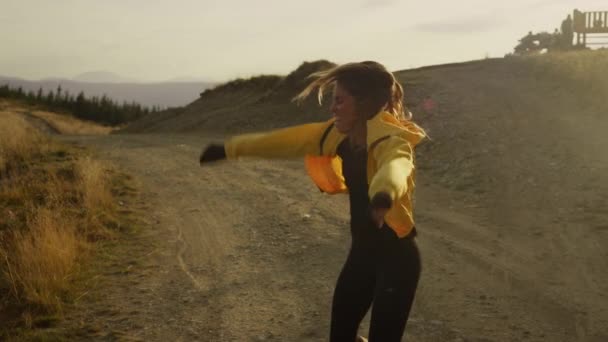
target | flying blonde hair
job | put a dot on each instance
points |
(374, 88)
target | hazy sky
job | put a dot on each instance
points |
(219, 40)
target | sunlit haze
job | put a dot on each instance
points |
(221, 40)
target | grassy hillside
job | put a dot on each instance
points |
(502, 125)
(260, 102)
(264, 102)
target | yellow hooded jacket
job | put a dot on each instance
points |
(390, 163)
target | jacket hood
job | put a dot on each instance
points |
(385, 124)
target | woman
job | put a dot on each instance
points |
(367, 150)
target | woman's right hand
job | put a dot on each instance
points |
(212, 153)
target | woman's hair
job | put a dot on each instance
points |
(373, 87)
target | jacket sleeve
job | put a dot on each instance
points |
(290, 142)
(394, 164)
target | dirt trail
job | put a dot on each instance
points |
(237, 260)
(249, 251)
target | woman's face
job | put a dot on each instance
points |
(343, 108)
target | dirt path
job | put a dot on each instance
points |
(249, 251)
(38, 123)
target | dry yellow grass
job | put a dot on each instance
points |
(18, 140)
(66, 124)
(43, 258)
(92, 183)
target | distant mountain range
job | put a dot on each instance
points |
(102, 77)
(172, 93)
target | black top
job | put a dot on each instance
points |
(365, 233)
(354, 169)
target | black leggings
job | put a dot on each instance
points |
(382, 269)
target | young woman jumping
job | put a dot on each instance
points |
(366, 150)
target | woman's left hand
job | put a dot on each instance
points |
(380, 205)
(378, 216)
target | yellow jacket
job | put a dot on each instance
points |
(390, 163)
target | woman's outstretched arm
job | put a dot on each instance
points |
(290, 142)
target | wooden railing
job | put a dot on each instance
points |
(590, 22)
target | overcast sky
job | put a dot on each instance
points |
(218, 40)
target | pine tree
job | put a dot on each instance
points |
(20, 95)
(4, 91)
(39, 95)
(50, 98)
(31, 97)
